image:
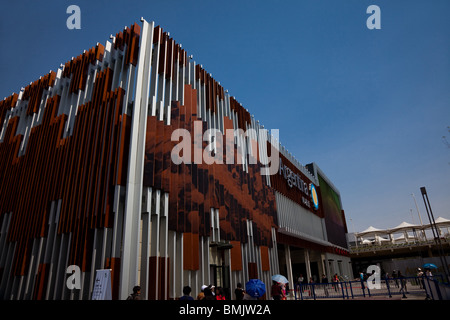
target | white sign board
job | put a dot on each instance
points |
(102, 285)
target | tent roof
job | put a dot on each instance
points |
(441, 220)
(404, 226)
(370, 230)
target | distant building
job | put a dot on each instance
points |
(89, 178)
(405, 247)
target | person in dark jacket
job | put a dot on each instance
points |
(276, 291)
(186, 293)
(239, 292)
(136, 295)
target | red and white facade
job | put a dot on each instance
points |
(87, 179)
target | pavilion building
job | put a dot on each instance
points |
(89, 178)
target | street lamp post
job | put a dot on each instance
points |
(435, 231)
(354, 233)
(420, 218)
(418, 212)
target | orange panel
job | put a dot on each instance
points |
(265, 265)
(236, 256)
(191, 253)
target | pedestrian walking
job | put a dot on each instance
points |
(220, 295)
(395, 276)
(335, 282)
(201, 295)
(311, 286)
(361, 278)
(429, 274)
(136, 295)
(208, 294)
(186, 293)
(276, 291)
(283, 291)
(420, 278)
(239, 292)
(325, 284)
(300, 279)
(403, 283)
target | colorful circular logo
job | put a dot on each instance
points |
(314, 197)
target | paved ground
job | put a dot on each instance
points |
(415, 292)
(394, 297)
(415, 295)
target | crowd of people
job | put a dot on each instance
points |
(207, 293)
(280, 291)
(210, 292)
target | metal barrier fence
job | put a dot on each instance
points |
(433, 288)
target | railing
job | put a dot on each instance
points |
(360, 248)
(386, 287)
(321, 291)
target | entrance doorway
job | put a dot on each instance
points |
(300, 269)
(220, 277)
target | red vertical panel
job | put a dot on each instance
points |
(104, 202)
(152, 276)
(156, 34)
(159, 154)
(173, 200)
(236, 256)
(190, 218)
(206, 191)
(191, 257)
(150, 140)
(108, 180)
(252, 270)
(166, 161)
(162, 53)
(41, 281)
(123, 150)
(169, 58)
(265, 266)
(114, 265)
(163, 287)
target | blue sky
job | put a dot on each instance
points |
(370, 107)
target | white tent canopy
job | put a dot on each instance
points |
(371, 231)
(376, 234)
(404, 226)
(403, 238)
(442, 221)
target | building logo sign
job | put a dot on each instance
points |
(295, 180)
(314, 197)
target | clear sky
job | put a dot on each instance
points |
(370, 107)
